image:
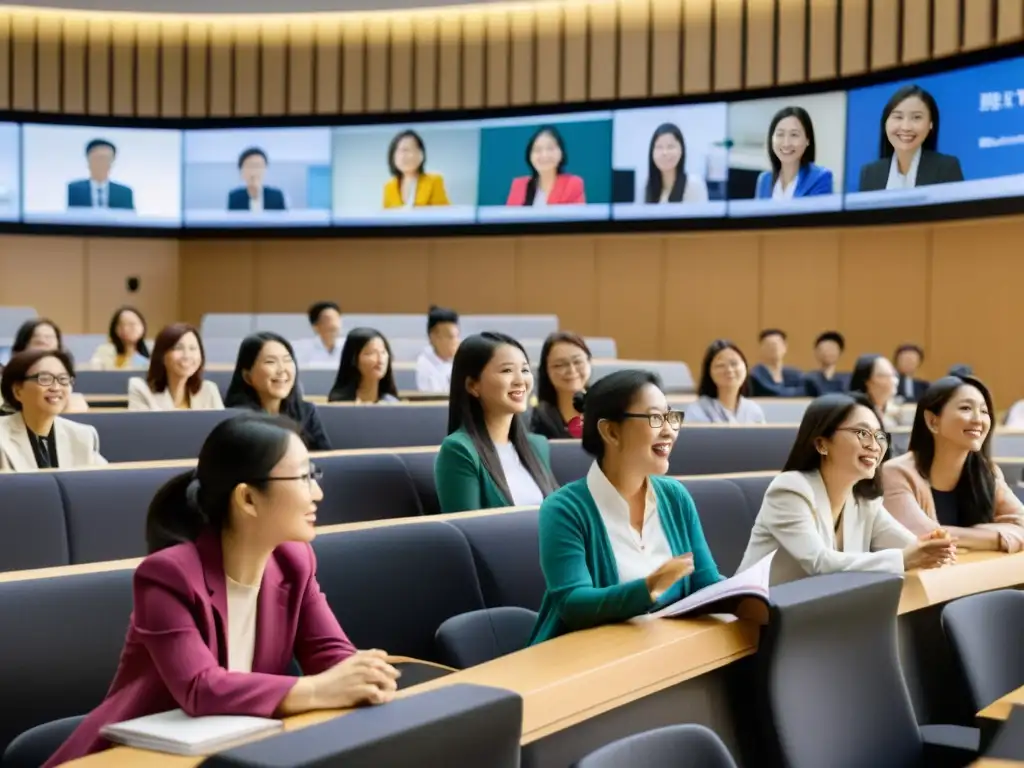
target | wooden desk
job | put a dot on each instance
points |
(1000, 710)
(993, 763)
(973, 573)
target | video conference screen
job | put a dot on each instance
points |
(938, 138)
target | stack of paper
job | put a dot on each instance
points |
(179, 734)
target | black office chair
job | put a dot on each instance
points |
(674, 746)
(478, 636)
(37, 745)
(985, 632)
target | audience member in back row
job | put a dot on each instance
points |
(624, 537)
(564, 370)
(489, 459)
(723, 389)
(434, 364)
(364, 374)
(266, 379)
(874, 376)
(770, 378)
(824, 513)
(228, 596)
(828, 348)
(323, 349)
(42, 333)
(36, 385)
(908, 359)
(947, 478)
(127, 346)
(175, 378)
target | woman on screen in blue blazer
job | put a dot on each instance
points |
(667, 180)
(910, 134)
(791, 153)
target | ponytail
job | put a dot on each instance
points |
(172, 519)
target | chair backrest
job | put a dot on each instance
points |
(569, 461)
(384, 426)
(130, 436)
(358, 488)
(37, 745)
(478, 636)
(726, 519)
(710, 450)
(674, 746)
(33, 533)
(985, 634)
(420, 466)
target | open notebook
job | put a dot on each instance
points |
(725, 596)
(179, 734)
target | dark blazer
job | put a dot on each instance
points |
(273, 199)
(917, 389)
(119, 196)
(547, 421)
(763, 385)
(175, 653)
(933, 168)
(815, 383)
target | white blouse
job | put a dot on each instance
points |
(898, 180)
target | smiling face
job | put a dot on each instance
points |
(568, 368)
(728, 370)
(545, 154)
(855, 450)
(667, 152)
(44, 337)
(964, 421)
(789, 141)
(285, 510)
(130, 327)
(881, 386)
(408, 155)
(42, 393)
(641, 447)
(184, 358)
(505, 383)
(908, 125)
(273, 373)
(373, 360)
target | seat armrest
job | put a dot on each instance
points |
(950, 746)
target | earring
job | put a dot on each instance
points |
(823, 451)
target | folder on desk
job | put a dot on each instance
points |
(723, 597)
(177, 733)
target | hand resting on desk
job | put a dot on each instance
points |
(363, 678)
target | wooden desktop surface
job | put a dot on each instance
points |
(1000, 710)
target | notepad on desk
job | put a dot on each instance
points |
(723, 596)
(177, 733)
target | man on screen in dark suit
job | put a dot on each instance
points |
(98, 191)
(252, 165)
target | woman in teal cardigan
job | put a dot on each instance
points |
(489, 459)
(624, 537)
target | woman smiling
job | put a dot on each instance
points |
(564, 370)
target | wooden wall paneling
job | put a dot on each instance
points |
(630, 273)
(23, 61)
(458, 277)
(450, 68)
(74, 34)
(353, 94)
(109, 262)
(698, 46)
(474, 59)
(147, 70)
(278, 287)
(791, 50)
(946, 25)
(97, 81)
(1009, 20)
(222, 70)
(328, 67)
(760, 42)
(563, 261)
(196, 40)
(549, 80)
(401, 63)
(823, 38)
(497, 52)
(173, 88)
(5, 59)
(916, 23)
(274, 67)
(728, 46)
(216, 276)
(977, 25)
(361, 264)
(123, 41)
(853, 47)
(378, 76)
(634, 48)
(247, 90)
(575, 78)
(666, 53)
(885, 42)
(47, 273)
(522, 34)
(301, 50)
(603, 60)
(48, 63)
(426, 63)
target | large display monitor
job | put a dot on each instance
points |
(10, 172)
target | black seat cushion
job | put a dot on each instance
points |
(384, 426)
(480, 636)
(726, 519)
(373, 486)
(33, 533)
(421, 469)
(507, 557)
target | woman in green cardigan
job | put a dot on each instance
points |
(623, 537)
(489, 459)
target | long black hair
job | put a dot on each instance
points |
(805, 121)
(653, 192)
(545, 389)
(863, 370)
(242, 449)
(27, 329)
(346, 383)
(822, 418)
(609, 400)
(531, 186)
(976, 489)
(466, 412)
(707, 386)
(241, 393)
(931, 141)
(140, 347)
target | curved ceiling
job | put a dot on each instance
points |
(240, 7)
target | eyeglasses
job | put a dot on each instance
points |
(657, 420)
(867, 437)
(315, 474)
(46, 380)
(564, 365)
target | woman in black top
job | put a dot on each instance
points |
(564, 370)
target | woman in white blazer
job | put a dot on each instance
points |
(175, 378)
(36, 385)
(824, 513)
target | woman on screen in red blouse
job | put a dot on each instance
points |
(547, 185)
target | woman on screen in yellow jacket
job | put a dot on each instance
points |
(409, 185)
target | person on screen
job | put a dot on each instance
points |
(910, 134)
(547, 184)
(98, 191)
(410, 185)
(667, 180)
(252, 165)
(791, 153)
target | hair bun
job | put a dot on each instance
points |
(579, 401)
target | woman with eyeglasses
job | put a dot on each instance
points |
(36, 386)
(947, 479)
(723, 393)
(228, 595)
(564, 370)
(824, 512)
(624, 537)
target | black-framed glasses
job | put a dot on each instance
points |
(315, 474)
(867, 436)
(47, 380)
(657, 420)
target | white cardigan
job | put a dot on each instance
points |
(796, 520)
(78, 445)
(142, 398)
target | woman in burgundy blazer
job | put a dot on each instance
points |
(547, 184)
(228, 595)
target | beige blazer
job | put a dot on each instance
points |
(795, 522)
(909, 497)
(78, 445)
(142, 398)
